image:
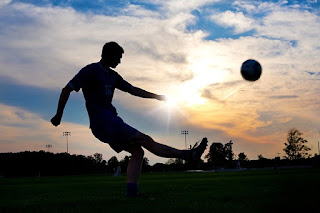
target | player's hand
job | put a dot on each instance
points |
(56, 120)
(161, 98)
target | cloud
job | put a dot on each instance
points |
(238, 20)
(24, 130)
(4, 2)
(313, 73)
(283, 96)
(139, 11)
(178, 6)
(221, 92)
(300, 26)
(59, 41)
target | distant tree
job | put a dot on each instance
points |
(97, 157)
(242, 157)
(295, 148)
(170, 161)
(228, 151)
(159, 167)
(90, 157)
(174, 161)
(113, 162)
(216, 155)
(260, 157)
(124, 163)
(145, 162)
(145, 165)
(175, 164)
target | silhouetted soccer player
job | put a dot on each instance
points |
(98, 82)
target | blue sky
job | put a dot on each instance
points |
(190, 51)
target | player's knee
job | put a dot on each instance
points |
(147, 138)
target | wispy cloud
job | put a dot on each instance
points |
(178, 6)
(238, 20)
(283, 96)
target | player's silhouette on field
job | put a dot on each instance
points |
(98, 82)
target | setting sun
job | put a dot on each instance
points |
(189, 93)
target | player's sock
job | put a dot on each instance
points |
(132, 189)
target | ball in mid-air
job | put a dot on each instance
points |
(251, 70)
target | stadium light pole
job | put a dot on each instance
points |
(48, 146)
(185, 133)
(67, 134)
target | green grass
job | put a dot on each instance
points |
(247, 191)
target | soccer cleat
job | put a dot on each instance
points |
(197, 151)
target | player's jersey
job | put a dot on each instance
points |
(98, 85)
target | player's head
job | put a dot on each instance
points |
(112, 54)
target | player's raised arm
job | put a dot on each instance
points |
(64, 96)
(145, 94)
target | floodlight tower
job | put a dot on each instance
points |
(185, 133)
(48, 146)
(67, 134)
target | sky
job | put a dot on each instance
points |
(189, 50)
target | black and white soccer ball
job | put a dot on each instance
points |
(251, 70)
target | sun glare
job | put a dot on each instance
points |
(189, 93)
(171, 103)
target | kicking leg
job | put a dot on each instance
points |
(167, 151)
(158, 148)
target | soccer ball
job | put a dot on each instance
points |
(251, 70)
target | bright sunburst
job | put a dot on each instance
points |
(189, 93)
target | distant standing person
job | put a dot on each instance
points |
(98, 82)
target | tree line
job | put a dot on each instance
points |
(50, 164)
(295, 148)
(220, 156)
(46, 164)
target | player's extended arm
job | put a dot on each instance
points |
(145, 94)
(64, 96)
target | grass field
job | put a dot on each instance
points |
(246, 191)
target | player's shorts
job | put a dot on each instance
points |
(115, 132)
